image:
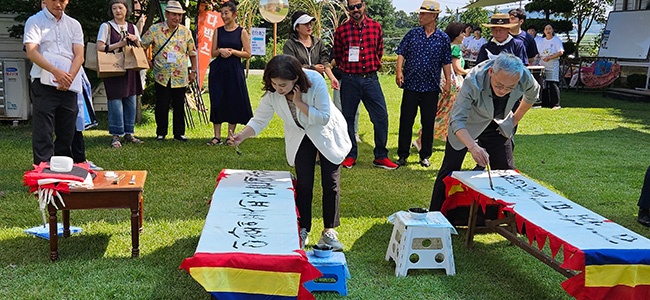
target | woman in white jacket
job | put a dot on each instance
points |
(312, 125)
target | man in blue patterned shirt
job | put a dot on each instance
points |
(422, 53)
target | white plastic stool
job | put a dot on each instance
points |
(421, 244)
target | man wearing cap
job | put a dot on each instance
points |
(518, 16)
(427, 52)
(482, 120)
(54, 43)
(502, 41)
(358, 48)
(172, 46)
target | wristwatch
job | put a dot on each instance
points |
(192, 71)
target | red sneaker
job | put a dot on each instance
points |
(349, 162)
(385, 163)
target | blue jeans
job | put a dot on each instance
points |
(355, 88)
(121, 115)
(337, 103)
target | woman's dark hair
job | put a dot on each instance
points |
(552, 27)
(465, 26)
(232, 5)
(533, 27)
(285, 67)
(110, 7)
(454, 29)
(295, 17)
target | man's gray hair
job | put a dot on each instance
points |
(508, 63)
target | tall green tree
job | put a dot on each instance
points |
(383, 12)
(474, 16)
(550, 7)
(555, 12)
(90, 13)
(586, 12)
(406, 21)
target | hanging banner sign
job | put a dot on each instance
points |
(208, 22)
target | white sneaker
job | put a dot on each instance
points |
(330, 237)
(304, 237)
(93, 166)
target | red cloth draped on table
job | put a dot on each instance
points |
(614, 262)
(57, 181)
(249, 247)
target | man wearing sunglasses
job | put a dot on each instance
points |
(358, 48)
(482, 121)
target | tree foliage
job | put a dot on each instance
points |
(550, 7)
(90, 13)
(474, 16)
(586, 12)
(383, 12)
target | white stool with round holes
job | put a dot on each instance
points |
(421, 244)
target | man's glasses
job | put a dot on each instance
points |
(502, 87)
(357, 6)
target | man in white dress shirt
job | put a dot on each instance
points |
(54, 43)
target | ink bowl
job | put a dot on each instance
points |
(322, 250)
(418, 213)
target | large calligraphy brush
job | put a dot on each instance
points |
(489, 176)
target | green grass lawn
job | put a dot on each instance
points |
(593, 151)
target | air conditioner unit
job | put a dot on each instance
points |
(14, 90)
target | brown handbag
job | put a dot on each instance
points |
(110, 64)
(135, 58)
(90, 62)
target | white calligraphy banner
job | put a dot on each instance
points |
(561, 217)
(252, 212)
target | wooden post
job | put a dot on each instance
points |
(275, 38)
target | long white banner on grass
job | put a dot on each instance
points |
(561, 217)
(251, 212)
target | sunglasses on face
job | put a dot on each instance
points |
(357, 6)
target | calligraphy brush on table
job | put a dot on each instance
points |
(489, 176)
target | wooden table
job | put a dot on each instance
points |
(104, 194)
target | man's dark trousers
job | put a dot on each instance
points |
(497, 146)
(428, 104)
(366, 88)
(55, 112)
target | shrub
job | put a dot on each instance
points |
(149, 93)
(388, 64)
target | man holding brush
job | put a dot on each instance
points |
(482, 115)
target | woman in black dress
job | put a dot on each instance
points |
(229, 100)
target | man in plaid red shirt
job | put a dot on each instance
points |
(358, 48)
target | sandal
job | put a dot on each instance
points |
(215, 141)
(131, 139)
(115, 143)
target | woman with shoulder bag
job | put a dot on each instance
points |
(121, 91)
